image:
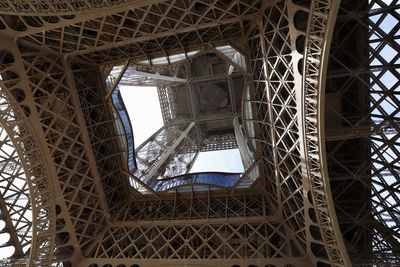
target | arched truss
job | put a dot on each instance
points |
(291, 108)
(62, 7)
(16, 210)
(361, 160)
(316, 53)
(32, 237)
(288, 216)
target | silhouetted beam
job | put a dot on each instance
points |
(5, 215)
(389, 236)
(155, 76)
(164, 160)
(154, 36)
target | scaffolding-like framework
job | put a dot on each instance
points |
(320, 110)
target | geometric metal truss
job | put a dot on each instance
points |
(168, 153)
(204, 99)
(171, 151)
(286, 110)
(363, 167)
(16, 212)
(332, 203)
(14, 121)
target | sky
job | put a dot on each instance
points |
(144, 111)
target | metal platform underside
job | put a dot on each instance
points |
(312, 84)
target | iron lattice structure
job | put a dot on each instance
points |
(320, 108)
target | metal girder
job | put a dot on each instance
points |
(141, 183)
(104, 136)
(278, 102)
(201, 205)
(232, 95)
(154, 76)
(156, 20)
(85, 213)
(14, 198)
(113, 82)
(193, 105)
(316, 55)
(152, 172)
(255, 219)
(359, 169)
(169, 152)
(222, 142)
(60, 117)
(66, 7)
(244, 176)
(166, 103)
(154, 36)
(377, 128)
(27, 138)
(295, 261)
(389, 236)
(231, 62)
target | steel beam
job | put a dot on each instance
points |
(155, 76)
(155, 36)
(115, 82)
(152, 173)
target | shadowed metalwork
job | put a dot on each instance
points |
(308, 90)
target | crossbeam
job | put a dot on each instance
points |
(164, 160)
(132, 73)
